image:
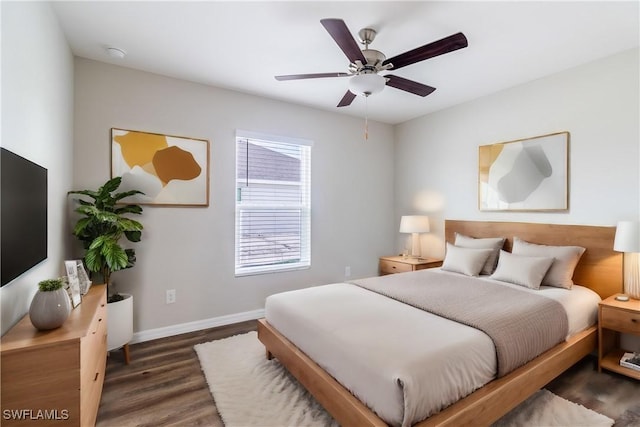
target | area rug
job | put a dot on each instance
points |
(251, 391)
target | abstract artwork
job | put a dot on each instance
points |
(169, 170)
(524, 175)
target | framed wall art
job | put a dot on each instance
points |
(525, 175)
(169, 170)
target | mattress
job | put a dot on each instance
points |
(402, 362)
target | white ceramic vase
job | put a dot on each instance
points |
(119, 322)
(49, 309)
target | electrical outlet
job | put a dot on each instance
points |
(171, 296)
(347, 271)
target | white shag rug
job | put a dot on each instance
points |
(251, 391)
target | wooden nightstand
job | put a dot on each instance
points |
(400, 264)
(615, 317)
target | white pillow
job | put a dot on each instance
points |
(565, 260)
(493, 243)
(465, 260)
(521, 270)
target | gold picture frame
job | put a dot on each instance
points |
(170, 170)
(530, 174)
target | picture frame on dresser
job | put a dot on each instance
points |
(71, 267)
(83, 277)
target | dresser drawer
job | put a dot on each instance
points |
(620, 320)
(91, 345)
(91, 389)
(94, 358)
(390, 267)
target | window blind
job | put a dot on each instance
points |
(273, 215)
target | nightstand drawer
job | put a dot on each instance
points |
(390, 267)
(620, 320)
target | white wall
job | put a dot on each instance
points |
(37, 123)
(436, 169)
(191, 249)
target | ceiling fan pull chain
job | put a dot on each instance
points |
(366, 118)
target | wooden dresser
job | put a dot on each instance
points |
(55, 377)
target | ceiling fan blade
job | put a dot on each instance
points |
(310, 76)
(409, 85)
(429, 50)
(347, 99)
(342, 36)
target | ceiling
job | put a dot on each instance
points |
(243, 45)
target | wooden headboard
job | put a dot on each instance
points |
(600, 267)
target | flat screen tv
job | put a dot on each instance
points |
(23, 215)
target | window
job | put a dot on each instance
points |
(273, 206)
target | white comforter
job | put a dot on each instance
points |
(371, 344)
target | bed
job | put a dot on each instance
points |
(599, 269)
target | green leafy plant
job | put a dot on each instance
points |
(102, 227)
(50, 285)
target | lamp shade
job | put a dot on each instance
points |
(366, 84)
(414, 224)
(627, 237)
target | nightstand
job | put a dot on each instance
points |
(615, 317)
(400, 264)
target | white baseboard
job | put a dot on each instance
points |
(183, 328)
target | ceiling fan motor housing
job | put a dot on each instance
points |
(374, 58)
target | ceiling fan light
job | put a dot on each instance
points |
(366, 84)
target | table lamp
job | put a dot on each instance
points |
(628, 241)
(414, 224)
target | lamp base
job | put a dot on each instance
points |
(415, 245)
(622, 298)
(631, 267)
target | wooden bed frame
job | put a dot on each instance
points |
(600, 269)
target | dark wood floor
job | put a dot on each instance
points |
(164, 385)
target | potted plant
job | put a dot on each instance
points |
(101, 229)
(50, 306)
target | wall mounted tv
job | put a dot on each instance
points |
(23, 215)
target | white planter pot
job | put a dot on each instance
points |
(119, 322)
(49, 310)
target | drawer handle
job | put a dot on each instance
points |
(96, 378)
(100, 319)
(393, 266)
(634, 320)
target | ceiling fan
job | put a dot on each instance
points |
(367, 63)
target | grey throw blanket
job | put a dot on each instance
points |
(522, 325)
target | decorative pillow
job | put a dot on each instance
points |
(494, 243)
(465, 260)
(522, 270)
(565, 260)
